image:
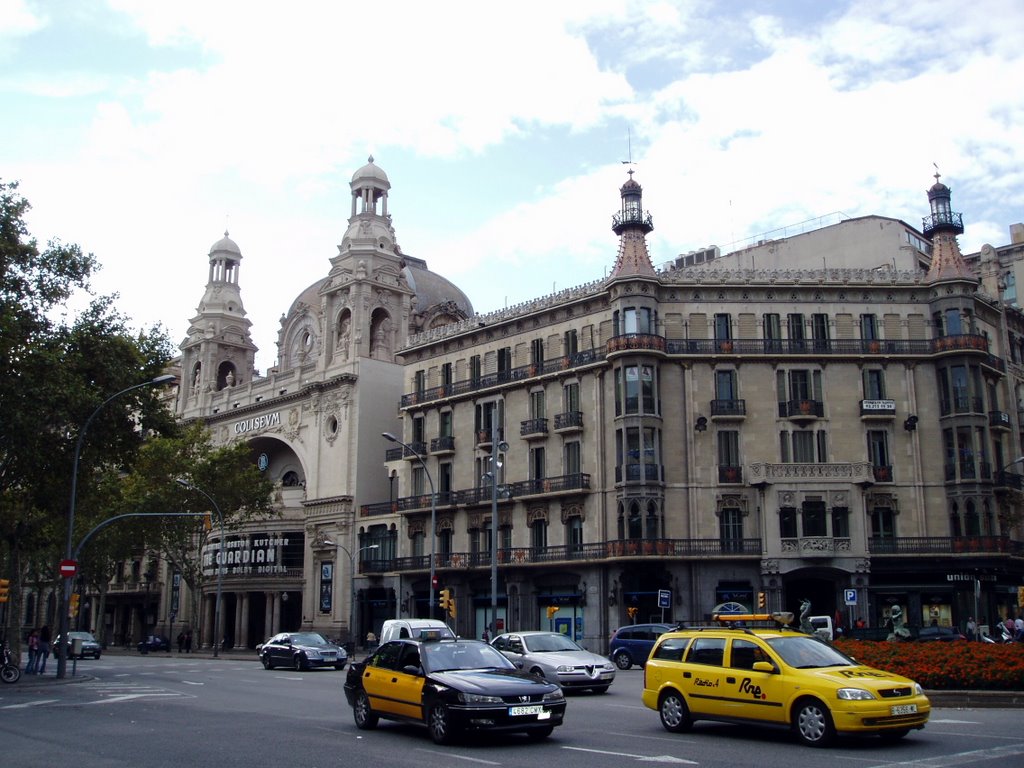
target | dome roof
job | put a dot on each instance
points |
(432, 289)
(225, 244)
(369, 172)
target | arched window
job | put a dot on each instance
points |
(653, 527)
(955, 529)
(972, 523)
(635, 522)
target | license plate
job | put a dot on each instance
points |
(903, 709)
(518, 711)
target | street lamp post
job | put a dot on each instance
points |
(352, 589)
(62, 658)
(496, 448)
(433, 517)
(220, 563)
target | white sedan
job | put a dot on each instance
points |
(557, 659)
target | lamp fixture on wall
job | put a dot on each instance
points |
(910, 423)
(701, 424)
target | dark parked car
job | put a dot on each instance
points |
(301, 650)
(632, 644)
(154, 643)
(929, 634)
(90, 646)
(451, 686)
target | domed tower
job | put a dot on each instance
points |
(631, 224)
(943, 226)
(218, 351)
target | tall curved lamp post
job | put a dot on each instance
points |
(62, 658)
(352, 589)
(220, 563)
(433, 517)
(497, 447)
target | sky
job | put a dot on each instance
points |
(142, 131)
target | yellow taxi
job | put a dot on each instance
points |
(747, 670)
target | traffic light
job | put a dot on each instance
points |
(207, 522)
(445, 600)
(552, 610)
(762, 600)
(5, 589)
(632, 611)
(451, 606)
(73, 605)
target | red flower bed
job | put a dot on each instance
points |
(945, 665)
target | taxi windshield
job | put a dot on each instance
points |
(804, 652)
(442, 657)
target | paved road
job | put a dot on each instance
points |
(189, 711)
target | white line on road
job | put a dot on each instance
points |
(29, 704)
(452, 756)
(130, 696)
(192, 682)
(641, 758)
(933, 721)
(963, 758)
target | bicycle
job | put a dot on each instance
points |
(10, 671)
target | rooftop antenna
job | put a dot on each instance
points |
(629, 146)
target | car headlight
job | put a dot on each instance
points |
(554, 696)
(313, 654)
(478, 698)
(563, 668)
(608, 667)
(918, 689)
(854, 694)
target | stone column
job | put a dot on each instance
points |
(243, 625)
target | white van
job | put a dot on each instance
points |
(823, 627)
(395, 629)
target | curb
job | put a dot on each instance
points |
(976, 699)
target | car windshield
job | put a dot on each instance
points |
(549, 643)
(439, 657)
(81, 636)
(807, 653)
(309, 638)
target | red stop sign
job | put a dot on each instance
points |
(68, 568)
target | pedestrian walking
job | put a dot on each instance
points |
(188, 641)
(33, 652)
(44, 649)
(972, 629)
(181, 642)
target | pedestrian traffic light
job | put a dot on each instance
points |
(446, 599)
(73, 605)
(552, 610)
(762, 600)
(5, 589)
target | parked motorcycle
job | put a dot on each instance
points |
(10, 671)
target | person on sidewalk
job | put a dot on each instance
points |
(33, 652)
(972, 629)
(44, 648)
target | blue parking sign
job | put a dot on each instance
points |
(850, 596)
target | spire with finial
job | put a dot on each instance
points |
(632, 224)
(942, 226)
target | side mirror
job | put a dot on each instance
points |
(764, 666)
(411, 669)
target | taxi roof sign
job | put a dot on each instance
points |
(431, 635)
(778, 617)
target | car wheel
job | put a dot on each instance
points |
(362, 714)
(10, 674)
(622, 660)
(440, 724)
(813, 723)
(300, 662)
(539, 734)
(675, 715)
(267, 663)
(896, 735)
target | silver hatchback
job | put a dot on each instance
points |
(557, 658)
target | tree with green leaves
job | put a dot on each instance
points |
(226, 474)
(57, 371)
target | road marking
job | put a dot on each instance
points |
(191, 682)
(131, 696)
(955, 722)
(452, 756)
(641, 758)
(29, 704)
(962, 758)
